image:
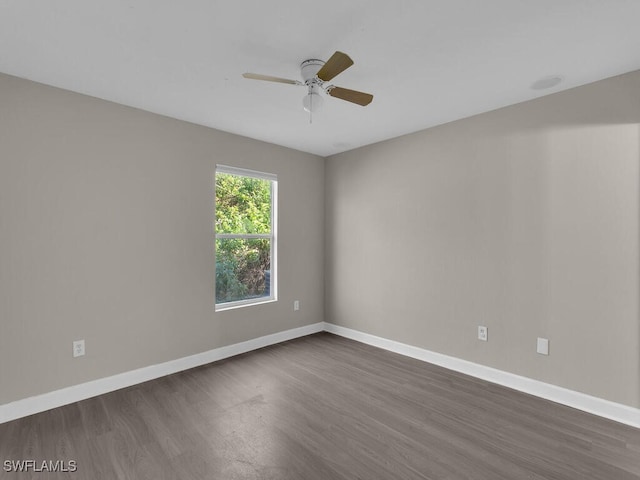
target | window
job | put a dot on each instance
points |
(245, 234)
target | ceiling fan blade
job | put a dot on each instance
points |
(269, 78)
(352, 96)
(337, 64)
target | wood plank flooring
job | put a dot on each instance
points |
(327, 408)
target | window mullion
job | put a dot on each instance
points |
(247, 236)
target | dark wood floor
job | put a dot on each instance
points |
(322, 407)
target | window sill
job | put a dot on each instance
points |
(221, 307)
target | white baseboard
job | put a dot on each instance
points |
(597, 406)
(65, 396)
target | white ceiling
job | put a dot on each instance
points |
(426, 61)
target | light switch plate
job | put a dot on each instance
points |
(543, 346)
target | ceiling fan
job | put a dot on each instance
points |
(315, 75)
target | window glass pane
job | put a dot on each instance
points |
(243, 204)
(242, 269)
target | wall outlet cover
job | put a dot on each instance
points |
(78, 348)
(483, 333)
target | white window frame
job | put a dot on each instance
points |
(273, 292)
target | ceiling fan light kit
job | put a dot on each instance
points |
(312, 101)
(315, 75)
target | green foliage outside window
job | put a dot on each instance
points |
(243, 206)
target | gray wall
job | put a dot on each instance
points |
(106, 221)
(524, 219)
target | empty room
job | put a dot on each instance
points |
(337, 240)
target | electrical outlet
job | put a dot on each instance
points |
(543, 346)
(483, 333)
(78, 348)
(296, 305)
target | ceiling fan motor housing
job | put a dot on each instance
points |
(310, 68)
